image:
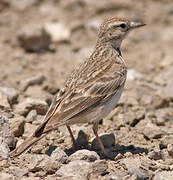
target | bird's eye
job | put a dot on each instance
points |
(123, 26)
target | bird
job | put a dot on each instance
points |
(93, 89)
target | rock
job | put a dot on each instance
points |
(43, 163)
(161, 116)
(164, 175)
(33, 37)
(166, 140)
(151, 131)
(59, 155)
(18, 172)
(108, 141)
(84, 154)
(21, 5)
(6, 176)
(4, 102)
(139, 173)
(156, 155)
(99, 167)
(28, 129)
(5, 132)
(35, 80)
(170, 149)
(94, 23)
(32, 116)
(75, 168)
(17, 126)
(30, 104)
(57, 31)
(4, 150)
(11, 94)
(72, 178)
(134, 75)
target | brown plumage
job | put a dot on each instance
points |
(93, 89)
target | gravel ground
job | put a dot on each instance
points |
(41, 42)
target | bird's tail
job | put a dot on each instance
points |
(25, 145)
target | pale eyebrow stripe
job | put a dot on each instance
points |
(118, 23)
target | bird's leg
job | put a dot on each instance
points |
(95, 129)
(71, 134)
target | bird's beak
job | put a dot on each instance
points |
(134, 25)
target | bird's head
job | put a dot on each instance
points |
(114, 30)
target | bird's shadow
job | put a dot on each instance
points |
(112, 148)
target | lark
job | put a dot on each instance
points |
(93, 89)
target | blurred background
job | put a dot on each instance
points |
(41, 41)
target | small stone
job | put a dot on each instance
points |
(4, 150)
(75, 168)
(35, 80)
(99, 167)
(156, 155)
(5, 132)
(164, 175)
(33, 37)
(6, 176)
(11, 93)
(170, 149)
(139, 173)
(59, 155)
(108, 141)
(30, 104)
(133, 75)
(28, 129)
(84, 154)
(166, 140)
(32, 116)
(57, 31)
(17, 126)
(151, 131)
(43, 163)
(4, 101)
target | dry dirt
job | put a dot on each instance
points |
(34, 64)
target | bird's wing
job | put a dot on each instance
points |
(83, 95)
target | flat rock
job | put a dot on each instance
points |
(85, 155)
(32, 116)
(75, 168)
(170, 149)
(35, 80)
(4, 150)
(57, 31)
(59, 155)
(164, 175)
(17, 125)
(33, 37)
(30, 104)
(11, 93)
(5, 132)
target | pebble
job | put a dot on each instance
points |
(11, 94)
(5, 132)
(156, 154)
(6, 176)
(29, 104)
(35, 80)
(59, 155)
(4, 150)
(85, 155)
(33, 37)
(140, 175)
(164, 175)
(17, 126)
(170, 149)
(57, 31)
(32, 116)
(75, 168)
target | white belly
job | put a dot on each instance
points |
(110, 105)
